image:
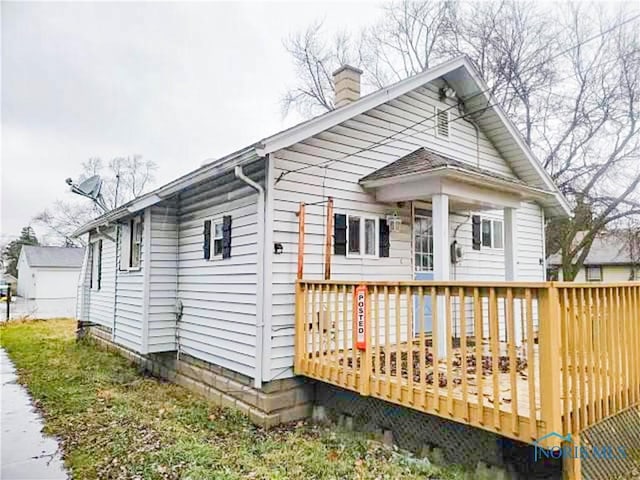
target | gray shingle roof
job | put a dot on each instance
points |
(424, 160)
(53, 256)
(607, 249)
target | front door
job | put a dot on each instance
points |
(423, 264)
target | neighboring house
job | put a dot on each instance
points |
(48, 279)
(609, 260)
(205, 266)
(8, 279)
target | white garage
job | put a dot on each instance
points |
(48, 280)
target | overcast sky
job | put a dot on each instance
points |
(175, 82)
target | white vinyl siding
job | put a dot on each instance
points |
(163, 278)
(101, 302)
(129, 298)
(218, 324)
(312, 179)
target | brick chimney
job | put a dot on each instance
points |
(346, 84)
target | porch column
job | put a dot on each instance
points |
(441, 262)
(511, 259)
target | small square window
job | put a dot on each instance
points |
(363, 236)
(492, 234)
(594, 273)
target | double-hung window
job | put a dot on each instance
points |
(131, 244)
(135, 239)
(492, 234)
(216, 244)
(95, 281)
(363, 236)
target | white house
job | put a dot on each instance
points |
(48, 279)
(203, 269)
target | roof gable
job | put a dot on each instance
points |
(424, 160)
(469, 86)
(53, 257)
(458, 73)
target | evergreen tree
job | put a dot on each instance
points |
(11, 251)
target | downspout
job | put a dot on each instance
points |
(239, 173)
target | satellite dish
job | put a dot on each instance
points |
(91, 186)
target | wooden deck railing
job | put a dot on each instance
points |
(519, 359)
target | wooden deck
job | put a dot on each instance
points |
(553, 357)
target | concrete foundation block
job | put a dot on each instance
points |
(387, 438)
(319, 414)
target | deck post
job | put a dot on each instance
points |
(550, 361)
(299, 337)
(511, 259)
(441, 262)
(366, 354)
(300, 215)
(572, 464)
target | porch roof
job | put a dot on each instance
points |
(424, 160)
(423, 173)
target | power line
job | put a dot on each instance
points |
(386, 140)
(381, 142)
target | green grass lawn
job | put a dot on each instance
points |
(115, 423)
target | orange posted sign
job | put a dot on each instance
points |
(360, 316)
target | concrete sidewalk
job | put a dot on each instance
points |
(27, 454)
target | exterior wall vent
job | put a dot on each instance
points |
(442, 126)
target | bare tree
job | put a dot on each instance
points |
(569, 77)
(315, 59)
(124, 178)
(406, 41)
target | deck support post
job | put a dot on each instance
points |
(550, 355)
(365, 356)
(511, 258)
(571, 464)
(300, 337)
(441, 262)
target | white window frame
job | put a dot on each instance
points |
(214, 222)
(492, 223)
(95, 261)
(444, 110)
(588, 277)
(132, 227)
(376, 240)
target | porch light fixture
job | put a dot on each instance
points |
(394, 222)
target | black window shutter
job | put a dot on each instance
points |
(93, 259)
(384, 238)
(339, 234)
(99, 264)
(206, 246)
(226, 236)
(476, 227)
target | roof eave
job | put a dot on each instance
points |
(459, 174)
(563, 203)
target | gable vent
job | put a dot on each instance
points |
(443, 123)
